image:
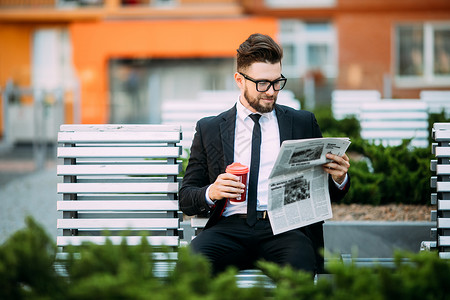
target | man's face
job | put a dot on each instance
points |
(252, 99)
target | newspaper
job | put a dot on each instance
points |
(298, 185)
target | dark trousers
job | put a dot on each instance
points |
(232, 242)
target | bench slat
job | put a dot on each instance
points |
(197, 222)
(443, 186)
(442, 152)
(118, 169)
(118, 224)
(441, 135)
(396, 104)
(396, 142)
(387, 134)
(444, 241)
(117, 240)
(119, 152)
(346, 103)
(393, 115)
(119, 137)
(444, 204)
(162, 205)
(112, 188)
(443, 222)
(395, 125)
(119, 128)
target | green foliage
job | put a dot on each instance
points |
(365, 185)
(111, 271)
(26, 266)
(382, 175)
(27, 271)
(421, 276)
(330, 127)
(184, 162)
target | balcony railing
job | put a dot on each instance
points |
(69, 10)
(104, 3)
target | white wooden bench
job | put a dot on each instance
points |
(389, 121)
(208, 103)
(347, 103)
(118, 179)
(440, 183)
(437, 101)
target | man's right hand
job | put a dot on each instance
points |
(226, 186)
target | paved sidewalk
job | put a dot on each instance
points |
(34, 195)
(26, 191)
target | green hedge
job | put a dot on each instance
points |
(126, 272)
(382, 175)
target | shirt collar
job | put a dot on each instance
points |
(243, 112)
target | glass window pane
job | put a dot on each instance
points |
(318, 26)
(410, 50)
(288, 26)
(317, 56)
(289, 58)
(442, 52)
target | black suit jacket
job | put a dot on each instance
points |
(212, 151)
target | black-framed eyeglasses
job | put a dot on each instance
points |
(264, 85)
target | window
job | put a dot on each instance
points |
(300, 3)
(308, 46)
(441, 52)
(423, 54)
(163, 2)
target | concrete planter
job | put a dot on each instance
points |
(375, 239)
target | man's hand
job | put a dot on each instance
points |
(338, 168)
(226, 186)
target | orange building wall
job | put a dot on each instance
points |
(15, 58)
(96, 42)
(366, 48)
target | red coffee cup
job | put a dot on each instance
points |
(241, 171)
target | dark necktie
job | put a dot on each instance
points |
(254, 171)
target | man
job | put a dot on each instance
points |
(235, 234)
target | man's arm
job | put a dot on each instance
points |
(195, 181)
(199, 179)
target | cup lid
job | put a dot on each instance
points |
(237, 169)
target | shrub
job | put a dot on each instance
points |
(109, 271)
(26, 266)
(330, 127)
(389, 174)
(382, 175)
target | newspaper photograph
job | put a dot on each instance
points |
(298, 185)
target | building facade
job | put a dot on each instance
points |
(124, 58)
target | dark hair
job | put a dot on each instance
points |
(258, 48)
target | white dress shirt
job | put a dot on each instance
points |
(270, 146)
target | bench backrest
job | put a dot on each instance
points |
(437, 101)
(440, 184)
(346, 103)
(390, 121)
(208, 103)
(118, 178)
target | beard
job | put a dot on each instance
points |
(258, 105)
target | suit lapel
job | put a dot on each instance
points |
(284, 124)
(227, 128)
